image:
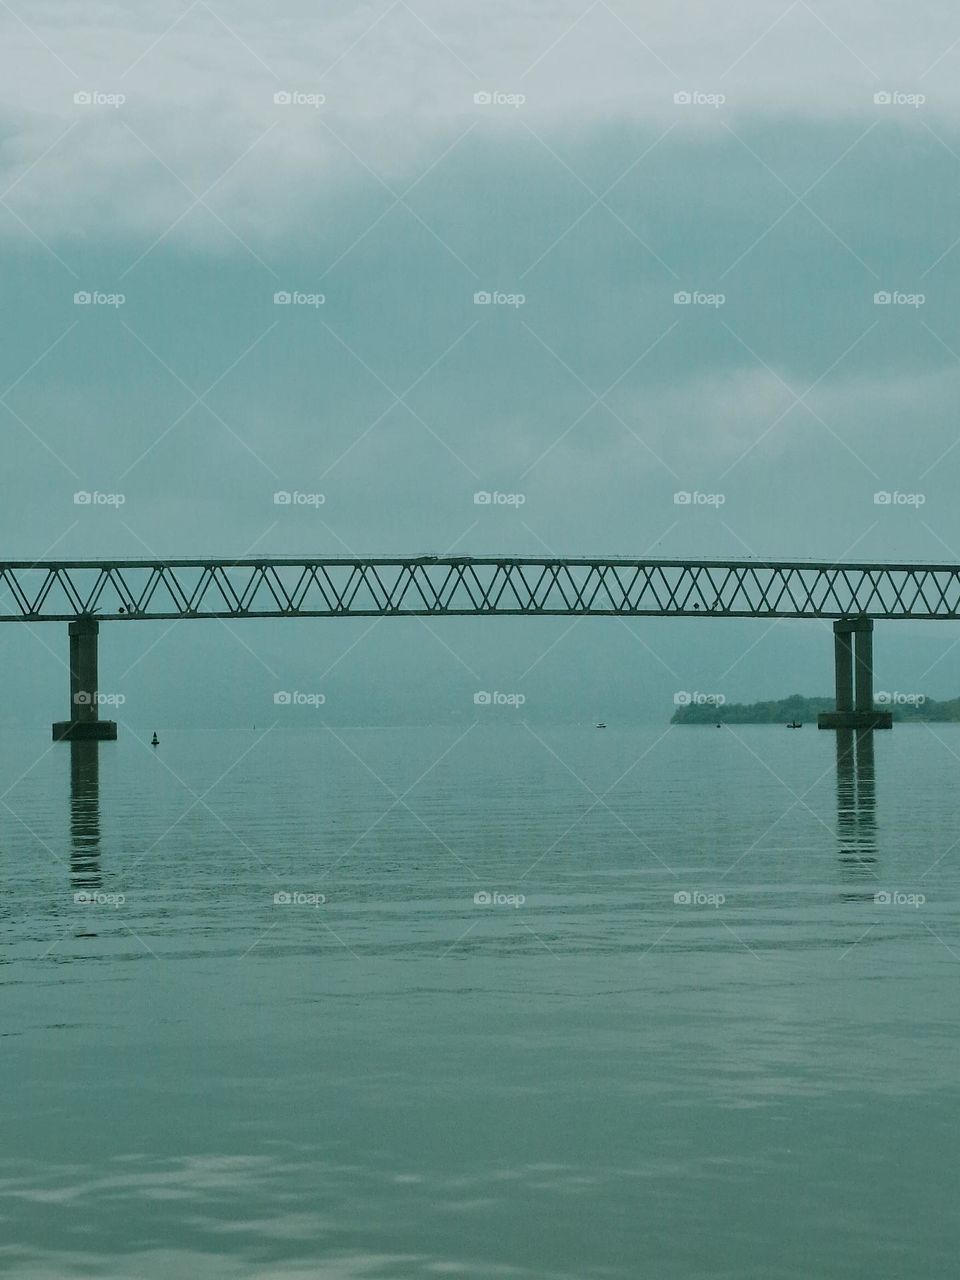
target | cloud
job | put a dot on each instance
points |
(399, 81)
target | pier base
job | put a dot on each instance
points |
(855, 720)
(75, 731)
(85, 724)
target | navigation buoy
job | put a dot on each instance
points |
(154, 741)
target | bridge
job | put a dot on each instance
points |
(85, 593)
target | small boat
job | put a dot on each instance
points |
(601, 725)
(154, 741)
(795, 724)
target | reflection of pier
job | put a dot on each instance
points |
(84, 815)
(857, 807)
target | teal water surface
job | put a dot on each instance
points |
(509, 1001)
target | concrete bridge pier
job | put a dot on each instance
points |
(84, 723)
(853, 659)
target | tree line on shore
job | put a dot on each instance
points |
(797, 708)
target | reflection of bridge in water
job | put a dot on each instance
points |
(85, 593)
(857, 808)
(85, 877)
(84, 815)
(855, 792)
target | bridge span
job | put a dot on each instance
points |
(85, 593)
(330, 586)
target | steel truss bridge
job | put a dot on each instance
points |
(421, 586)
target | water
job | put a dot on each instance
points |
(599, 1081)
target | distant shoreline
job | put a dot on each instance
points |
(906, 708)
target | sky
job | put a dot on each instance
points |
(388, 256)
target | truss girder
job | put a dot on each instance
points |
(336, 587)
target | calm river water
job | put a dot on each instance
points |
(529, 1002)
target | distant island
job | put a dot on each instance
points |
(804, 711)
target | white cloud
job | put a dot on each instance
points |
(399, 81)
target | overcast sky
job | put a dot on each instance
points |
(585, 164)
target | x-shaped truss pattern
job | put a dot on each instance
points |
(124, 590)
